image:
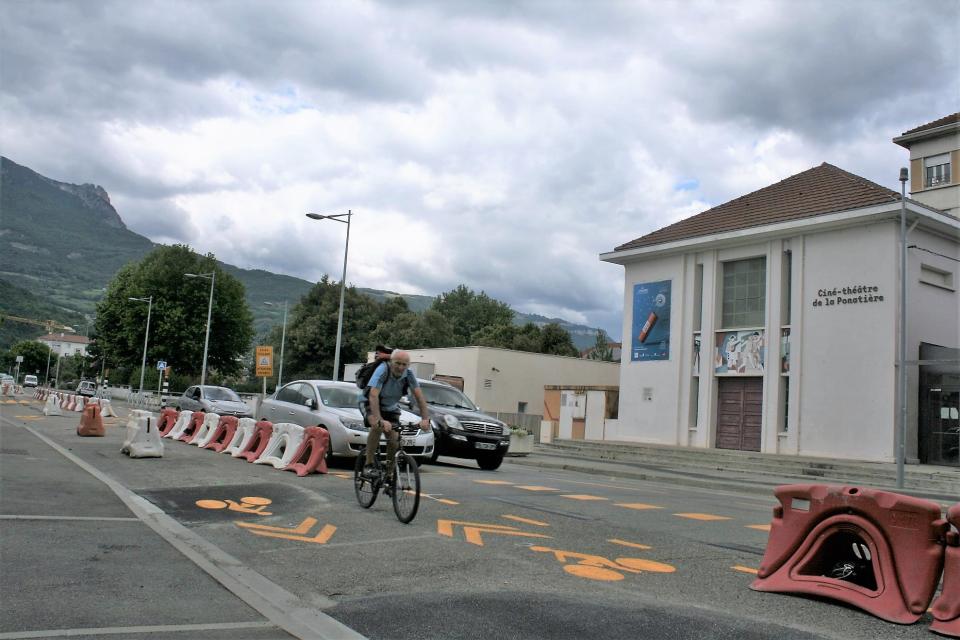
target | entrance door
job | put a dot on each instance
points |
(940, 426)
(739, 412)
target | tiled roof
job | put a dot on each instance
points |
(814, 192)
(64, 337)
(951, 119)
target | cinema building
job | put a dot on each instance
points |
(771, 322)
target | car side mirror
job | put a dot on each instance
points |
(311, 403)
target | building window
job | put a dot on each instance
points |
(744, 293)
(784, 404)
(936, 170)
(521, 407)
(937, 277)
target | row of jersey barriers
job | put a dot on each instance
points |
(56, 402)
(875, 550)
(284, 446)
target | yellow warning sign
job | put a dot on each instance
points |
(264, 360)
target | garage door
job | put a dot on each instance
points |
(739, 413)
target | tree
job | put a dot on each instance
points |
(470, 312)
(601, 348)
(410, 330)
(178, 320)
(34, 358)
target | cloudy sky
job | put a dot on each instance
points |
(503, 145)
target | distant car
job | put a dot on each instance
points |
(29, 381)
(460, 430)
(6, 379)
(335, 406)
(210, 399)
(87, 388)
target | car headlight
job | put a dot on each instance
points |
(451, 421)
(353, 423)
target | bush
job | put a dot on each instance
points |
(516, 430)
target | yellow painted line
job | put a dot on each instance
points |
(759, 527)
(526, 520)
(492, 482)
(440, 500)
(342, 476)
(639, 506)
(29, 417)
(583, 497)
(743, 569)
(705, 517)
(635, 545)
(298, 530)
(536, 488)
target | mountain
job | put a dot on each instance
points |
(62, 243)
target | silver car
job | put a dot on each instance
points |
(210, 399)
(335, 406)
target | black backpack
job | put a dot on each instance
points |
(365, 372)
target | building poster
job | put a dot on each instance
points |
(651, 321)
(740, 352)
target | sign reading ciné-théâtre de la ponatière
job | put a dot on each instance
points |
(857, 294)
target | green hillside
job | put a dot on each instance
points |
(15, 301)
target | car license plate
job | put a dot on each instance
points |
(408, 442)
(485, 445)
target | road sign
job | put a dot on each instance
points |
(264, 360)
(19, 358)
(161, 365)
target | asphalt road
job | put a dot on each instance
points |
(95, 540)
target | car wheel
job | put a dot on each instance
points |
(490, 461)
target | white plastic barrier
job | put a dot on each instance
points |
(106, 409)
(6, 389)
(52, 406)
(284, 442)
(183, 421)
(80, 404)
(143, 438)
(207, 430)
(241, 437)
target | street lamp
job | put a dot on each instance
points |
(902, 372)
(345, 218)
(146, 336)
(283, 338)
(206, 343)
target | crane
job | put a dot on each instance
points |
(50, 325)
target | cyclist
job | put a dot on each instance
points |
(390, 382)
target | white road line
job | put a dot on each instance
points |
(103, 631)
(282, 608)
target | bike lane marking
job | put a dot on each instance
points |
(703, 517)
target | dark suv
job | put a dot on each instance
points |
(459, 429)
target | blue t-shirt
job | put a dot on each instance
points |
(391, 389)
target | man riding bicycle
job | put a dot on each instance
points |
(390, 382)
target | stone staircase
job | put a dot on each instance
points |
(722, 463)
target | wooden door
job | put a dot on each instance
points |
(739, 413)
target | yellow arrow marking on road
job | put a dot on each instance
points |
(492, 482)
(472, 530)
(705, 517)
(536, 488)
(635, 545)
(639, 506)
(583, 497)
(759, 527)
(292, 533)
(743, 569)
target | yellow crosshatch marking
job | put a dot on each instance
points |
(535, 488)
(639, 506)
(492, 482)
(292, 533)
(705, 517)
(472, 530)
(759, 527)
(600, 568)
(635, 545)
(581, 496)
(252, 504)
(526, 520)
(743, 569)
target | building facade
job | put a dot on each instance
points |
(770, 323)
(65, 344)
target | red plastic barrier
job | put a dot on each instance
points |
(310, 456)
(196, 420)
(261, 438)
(946, 608)
(91, 423)
(168, 418)
(879, 551)
(223, 433)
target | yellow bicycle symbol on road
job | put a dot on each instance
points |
(252, 504)
(600, 568)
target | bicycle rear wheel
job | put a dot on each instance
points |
(366, 488)
(406, 489)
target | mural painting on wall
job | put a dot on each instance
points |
(740, 352)
(651, 321)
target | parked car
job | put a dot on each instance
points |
(87, 388)
(460, 430)
(29, 380)
(335, 406)
(211, 399)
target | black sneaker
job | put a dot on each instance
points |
(388, 489)
(370, 471)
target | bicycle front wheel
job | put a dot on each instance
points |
(365, 487)
(406, 488)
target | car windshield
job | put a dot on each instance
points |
(447, 397)
(220, 393)
(339, 397)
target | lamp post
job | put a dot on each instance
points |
(146, 337)
(345, 218)
(902, 372)
(283, 338)
(206, 343)
(46, 376)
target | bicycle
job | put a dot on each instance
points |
(403, 486)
